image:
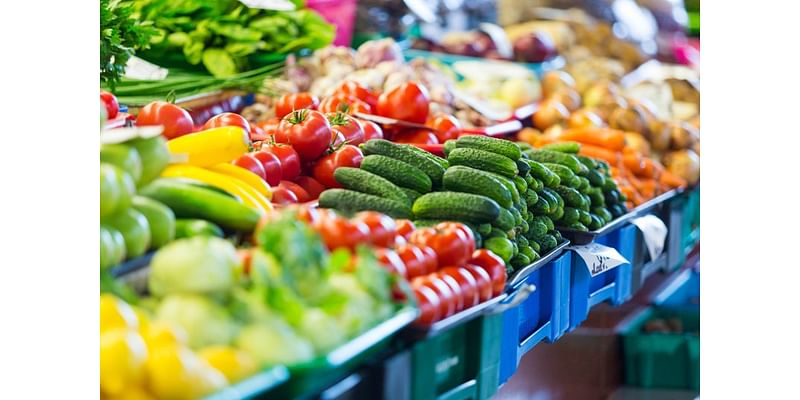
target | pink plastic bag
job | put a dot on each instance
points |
(341, 13)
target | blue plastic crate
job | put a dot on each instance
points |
(613, 285)
(541, 317)
(682, 292)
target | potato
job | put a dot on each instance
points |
(569, 97)
(682, 135)
(549, 113)
(584, 117)
(553, 81)
(684, 163)
(658, 136)
(637, 142)
(630, 119)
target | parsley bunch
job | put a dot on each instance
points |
(120, 36)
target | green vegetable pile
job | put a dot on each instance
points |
(512, 198)
(296, 302)
(120, 35)
(225, 36)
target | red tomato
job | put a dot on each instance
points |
(176, 120)
(340, 232)
(419, 136)
(431, 264)
(228, 119)
(337, 139)
(448, 306)
(271, 164)
(483, 281)
(407, 102)
(399, 241)
(494, 265)
(405, 227)
(269, 125)
(284, 196)
(469, 286)
(389, 259)
(252, 164)
(308, 132)
(349, 127)
(446, 126)
(295, 101)
(290, 160)
(311, 186)
(429, 305)
(450, 242)
(345, 104)
(111, 104)
(257, 134)
(382, 228)
(353, 89)
(302, 195)
(346, 156)
(458, 294)
(371, 130)
(413, 258)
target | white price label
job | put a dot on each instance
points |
(654, 232)
(278, 5)
(599, 258)
(139, 69)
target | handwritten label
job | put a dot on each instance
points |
(599, 258)
(654, 232)
(139, 69)
(279, 5)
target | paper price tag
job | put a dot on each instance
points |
(599, 258)
(139, 69)
(654, 232)
(278, 5)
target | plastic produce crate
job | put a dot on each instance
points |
(257, 386)
(458, 363)
(684, 227)
(386, 378)
(682, 292)
(541, 317)
(662, 360)
(613, 285)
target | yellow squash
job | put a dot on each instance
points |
(245, 176)
(234, 186)
(211, 146)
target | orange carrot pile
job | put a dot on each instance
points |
(638, 177)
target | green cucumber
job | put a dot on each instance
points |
(498, 146)
(520, 260)
(160, 218)
(563, 147)
(556, 234)
(535, 247)
(551, 200)
(609, 185)
(537, 229)
(398, 172)
(578, 227)
(408, 154)
(352, 201)
(535, 184)
(361, 180)
(433, 157)
(587, 202)
(483, 160)
(541, 207)
(588, 162)
(571, 196)
(529, 252)
(542, 173)
(555, 195)
(523, 168)
(568, 178)
(584, 186)
(603, 213)
(612, 197)
(522, 241)
(596, 197)
(595, 223)
(457, 206)
(189, 201)
(571, 215)
(557, 214)
(531, 198)
(584, 217)
(411, 195)
(505, 220)
(548, 223)
(448, 147)
(618, 210)
(469, 180)
(484, 229)
(497, 232)
(567, 160)
(520, 183)
(500, 246)
(509, 184)
(596, 178)
(547, 242)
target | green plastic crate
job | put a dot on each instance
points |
(662, 360)
(459, 363)
(691, 220)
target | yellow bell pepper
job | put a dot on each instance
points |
(211, 146)
(123, 354)
(233, 363)
(116, 313)
(175, 372)
(234, 186)
(246, 176)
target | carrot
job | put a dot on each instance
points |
(647, 188)
(599, 153)
(610, 139)
(671, 180)
(633, 163)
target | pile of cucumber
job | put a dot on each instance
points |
(591, 198)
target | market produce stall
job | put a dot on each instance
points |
(281, 218)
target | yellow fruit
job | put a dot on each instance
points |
(115, 313)
(174, 372)
(143, 317)
(132, 393)
(211, 146)
(159, 333)
(234, 364)
(122, 358)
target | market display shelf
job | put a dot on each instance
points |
(543, 316)
(663, 360)
(684, 226)
(613, 285)
(586, 237)
(416, 332)
(649, 205)
(643, 264)
(681, 292)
